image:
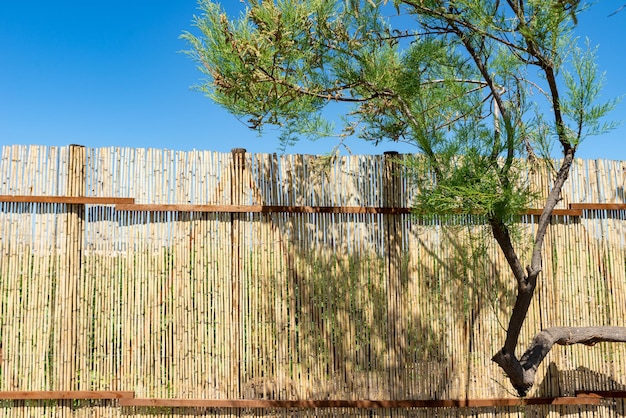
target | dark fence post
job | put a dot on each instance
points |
(237, 196)
(394, 237)
(68, 281)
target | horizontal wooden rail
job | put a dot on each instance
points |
(68, 199)
(127, 398)
(360, 404)
(297, 209)
(66, 394)
(261, 209)
(598, 206)
(128, 204)
(555, 212)
(602, 393)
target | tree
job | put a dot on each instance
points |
(481, 87)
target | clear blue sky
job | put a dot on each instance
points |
(109, 73)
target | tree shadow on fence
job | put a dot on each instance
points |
(348, 332)
(345, 339)
(351, 336)
(462, 269)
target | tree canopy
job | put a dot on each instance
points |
(480, 87)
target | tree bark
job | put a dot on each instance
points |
(522, 372)
(521, 377)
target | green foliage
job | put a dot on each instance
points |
(584, 86)
(470, 184)
(453, 77)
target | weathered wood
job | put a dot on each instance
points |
(67, 334)
(597, 206)
(298, 209)
(556, 212)
(66, 394)
(602, 393)
(128, 204)
(259, 209)
(73, 200)
(237, 264)
(361, 403)
(127, 398)
(394, 250)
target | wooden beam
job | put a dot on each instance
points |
(65, 394)
(260, 209)
(189, 208)
(360, 404)
(297, 209)
(555, 212)
(598, 206)
(603, 393)
(127, 398)
(74, 200)
(128, 204)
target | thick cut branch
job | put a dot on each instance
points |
(522, 372)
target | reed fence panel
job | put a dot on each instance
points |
(175, 304)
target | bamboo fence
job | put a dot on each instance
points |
(144, 282)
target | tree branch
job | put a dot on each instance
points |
(553, 199)
(522, 372)
(548, 68)
(520, 378)
(459, 21)
(330, 94)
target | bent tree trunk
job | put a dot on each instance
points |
(522, 372)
